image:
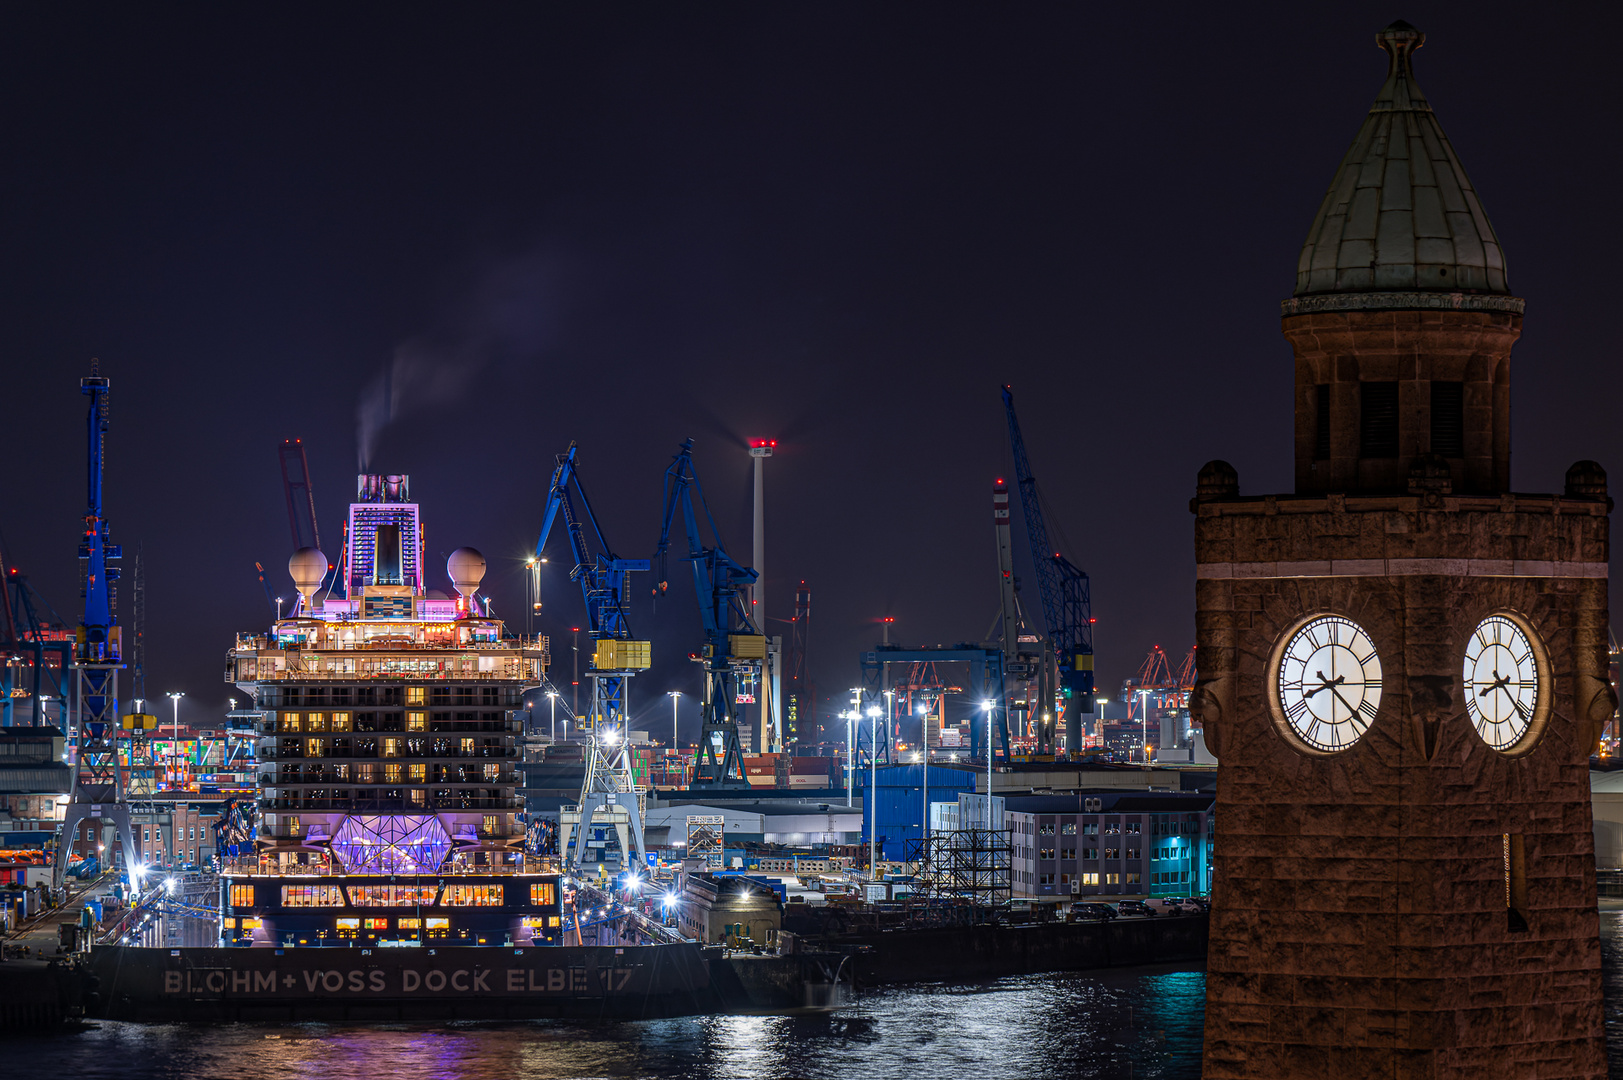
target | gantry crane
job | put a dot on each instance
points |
(1158, 683)
(1065, 593)
(608, 793)
(734, 646)
(28, 647)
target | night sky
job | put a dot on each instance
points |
(836, 225)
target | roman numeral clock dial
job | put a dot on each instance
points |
(1327, 683)
(1501, 681)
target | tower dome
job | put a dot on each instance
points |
(1401, 226)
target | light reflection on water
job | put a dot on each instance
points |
(1142, 1022)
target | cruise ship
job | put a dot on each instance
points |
(389, 738)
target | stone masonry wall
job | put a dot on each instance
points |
(1360, 923)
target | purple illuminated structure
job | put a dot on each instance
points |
(391, 844)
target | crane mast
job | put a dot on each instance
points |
(609, 794)
(1066, 600)
(734, 646)
(99, 788)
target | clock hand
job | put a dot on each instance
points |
(1500, 685)
(1350, 710)
(1324, 684)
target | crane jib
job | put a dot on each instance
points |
(1064, 590)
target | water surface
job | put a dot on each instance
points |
(1139, 1022)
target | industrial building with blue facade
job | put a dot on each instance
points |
(898, 812)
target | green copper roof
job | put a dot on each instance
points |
(1401, 217)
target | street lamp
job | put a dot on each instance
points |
(988, 705)
(1144, 722)
(676, 697)
(552, 703)
(851, 742)
(174, 751)
(874, 712)
(533, 580)
(924, 712)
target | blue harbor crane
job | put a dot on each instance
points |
(608, 792)
(98, 778)
(1066, 600)
(733, 646)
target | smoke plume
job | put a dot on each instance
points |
(509, 315)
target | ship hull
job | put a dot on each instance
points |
(427, 984)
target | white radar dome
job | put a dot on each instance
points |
(466, 569)
(307, 568)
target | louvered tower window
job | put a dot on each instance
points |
(1378, 420)
(1448, 419)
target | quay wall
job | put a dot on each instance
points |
(993, 951)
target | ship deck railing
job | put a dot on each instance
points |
(530, 866)
(302, 676)
(357, 805)
(387, 642)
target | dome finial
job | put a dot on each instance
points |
(1400, 40)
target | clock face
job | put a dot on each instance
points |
(1501, 681)
(1329, 682)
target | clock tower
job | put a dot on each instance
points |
(1403, 665)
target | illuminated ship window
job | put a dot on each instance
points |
(340, 721)
(295, 896)
(242, 896)
(393, 895)
(289, 722)
(377, 924)
(416, 721)
(542, 894)
(439, 924)
(416, 695)
(472, 896)
(409, 924)
(391, 843)
(349, 924)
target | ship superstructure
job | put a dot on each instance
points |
(388, 749)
